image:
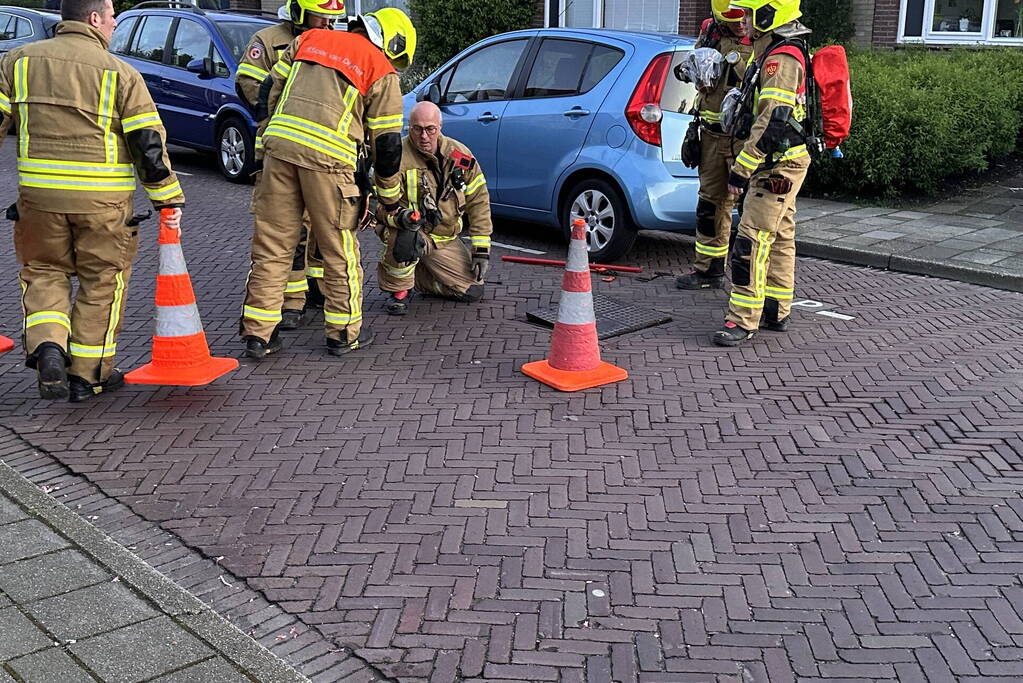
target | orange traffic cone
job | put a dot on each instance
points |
(5, 344)
(574, 361)
(181, 356)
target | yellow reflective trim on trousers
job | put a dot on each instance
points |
(748, 161)
(165, 192)
(762, 261)
(21, 97)
(44, 317)
(296, 286)
(713, 252)
(261, 314)
(5, 104)
(745, 301)
(84, 169)
(382, 122)
(400, 272)
(310, 142)
(252, 71)
(348, 99)
(316, 130)
(412, 188)
(68, 183)
(388, 192)
(313, 271)
(797, 152)
(141, 121)
(477, 182)
(779, 293)
(441, 239)
(106, 111)
(89, 351)
(341, 318)
(115, 315)
(352, 273)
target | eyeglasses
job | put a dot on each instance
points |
(429, 130)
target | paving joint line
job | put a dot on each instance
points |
(203, 620)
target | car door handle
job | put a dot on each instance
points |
(576, 111)
(487, 117)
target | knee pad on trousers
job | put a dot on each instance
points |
(705, 213)
(742, 250)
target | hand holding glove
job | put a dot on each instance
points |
(480, 264)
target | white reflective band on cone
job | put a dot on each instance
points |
(178, 321)
(578, 259)
(172, 261)
(576, 308)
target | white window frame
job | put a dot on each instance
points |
(598, 13)
(353, 7)
(932, 37)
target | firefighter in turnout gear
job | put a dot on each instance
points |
(770, 169)
(441, 182)
(262, 52)
(724, 33)
(330, 92)
(86, 125)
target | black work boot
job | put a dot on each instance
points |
(769, 318)
(397, 302)
(336, 347)
(732, 335)
(51, 363)
(473, 294)
(698, 280)
(82, 390)
(257, 349)
(291, 319)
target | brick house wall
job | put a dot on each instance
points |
(885, 29)
(691, 14)
(863, 18)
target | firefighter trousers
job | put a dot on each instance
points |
(297, 286)
(764, 253)
(444, 269)
(714, 209)
(99, 249)
(331, 201)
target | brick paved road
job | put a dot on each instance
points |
(839, 503)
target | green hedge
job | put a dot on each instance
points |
(831, 21)
(920, 117)
(447, 26)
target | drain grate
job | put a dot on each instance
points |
(613, 317)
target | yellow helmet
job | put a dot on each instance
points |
(725, 13)
(770, 14)
(392, 31)
(331, 9)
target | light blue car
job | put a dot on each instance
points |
(575, 123)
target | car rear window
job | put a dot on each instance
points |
(568, 67)
(237, 34)
(677, 96)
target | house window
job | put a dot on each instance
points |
(660, 16)
(950, 22)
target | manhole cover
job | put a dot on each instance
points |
(613, 317)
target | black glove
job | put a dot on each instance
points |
(480, 264)
(408, 246)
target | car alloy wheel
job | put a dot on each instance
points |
(232, 151)
(594, 207)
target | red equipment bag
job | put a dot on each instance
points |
(831, 74)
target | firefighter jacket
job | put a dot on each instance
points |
(262, 52)
(86, 125)
(431, 182)
(779, 100)
(332, 91)
(727, 43)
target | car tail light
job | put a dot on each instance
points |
(644, 109)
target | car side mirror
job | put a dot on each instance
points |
(431, 94)
(202, 66)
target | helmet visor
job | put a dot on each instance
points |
(373, 30)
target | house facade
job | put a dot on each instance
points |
(879, 23)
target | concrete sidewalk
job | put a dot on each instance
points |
(975, 236)
(75, 606)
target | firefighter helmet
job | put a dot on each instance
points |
(330, 9)
(724, 12)
(392, 31)
(770, 14)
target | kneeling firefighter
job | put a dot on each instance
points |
(329, 92)
(264, 49)
(770, 114)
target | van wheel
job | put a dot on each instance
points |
(610, 233)
(235, 150)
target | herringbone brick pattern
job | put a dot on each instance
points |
(838, 503)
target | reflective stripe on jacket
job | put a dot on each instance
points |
(709, 104)
(264, 49)
(76, 109)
